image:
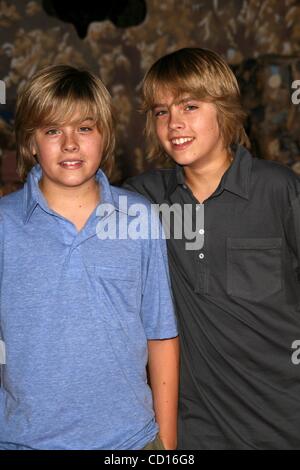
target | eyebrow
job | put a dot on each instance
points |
(156, 105)
(86, 119)
(59, 124)
(185, 100)
(177, 101)
(80, 121)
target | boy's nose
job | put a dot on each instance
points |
(175, 121)
(70, 144)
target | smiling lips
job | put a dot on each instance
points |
(71, 164)
(181, 142)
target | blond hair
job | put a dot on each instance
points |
(53, 95)
(203, 75)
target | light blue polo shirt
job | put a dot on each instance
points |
(76, 314)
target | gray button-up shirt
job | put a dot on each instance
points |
(238, 306)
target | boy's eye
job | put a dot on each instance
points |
(85, 129)
(191, 107)
(52, 132)
(160, 112)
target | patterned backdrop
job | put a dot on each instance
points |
(260, 39)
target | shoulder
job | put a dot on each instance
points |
(141, 209)
(152, 184)
(11, 203)
(11, 207)
(277, 170)
(275, 176)
(131, 196)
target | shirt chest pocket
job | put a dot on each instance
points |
(118, 293)
(254, 267)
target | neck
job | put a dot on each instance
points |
(204, 178)
(62, 199)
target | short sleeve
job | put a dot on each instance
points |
(157, 310)
(2, 344)
(292, 222)
(1, 253)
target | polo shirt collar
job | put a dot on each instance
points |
(235, 180)
(176, 179)
(33, 196)
(108, 196)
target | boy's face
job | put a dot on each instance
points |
(70, 154)
(188, 129)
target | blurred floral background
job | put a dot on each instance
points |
(259, 38)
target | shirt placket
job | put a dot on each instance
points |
(201, 254)
(199, 249)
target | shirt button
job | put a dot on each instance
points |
(201, 231)
(201, 256)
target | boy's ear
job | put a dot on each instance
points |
(33, 149)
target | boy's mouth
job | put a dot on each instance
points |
(181, 142)
(71, 164)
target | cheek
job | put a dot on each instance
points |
(43, 152)
(100, 147)
(215, 131)
(94, 150)
(160, 129)
(214, 123)
(95, 141)
(210, 127)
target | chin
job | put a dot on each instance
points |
(184, 160)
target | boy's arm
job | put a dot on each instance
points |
(159, 322)
(292, 227)
(296, 217)
(163, 367)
